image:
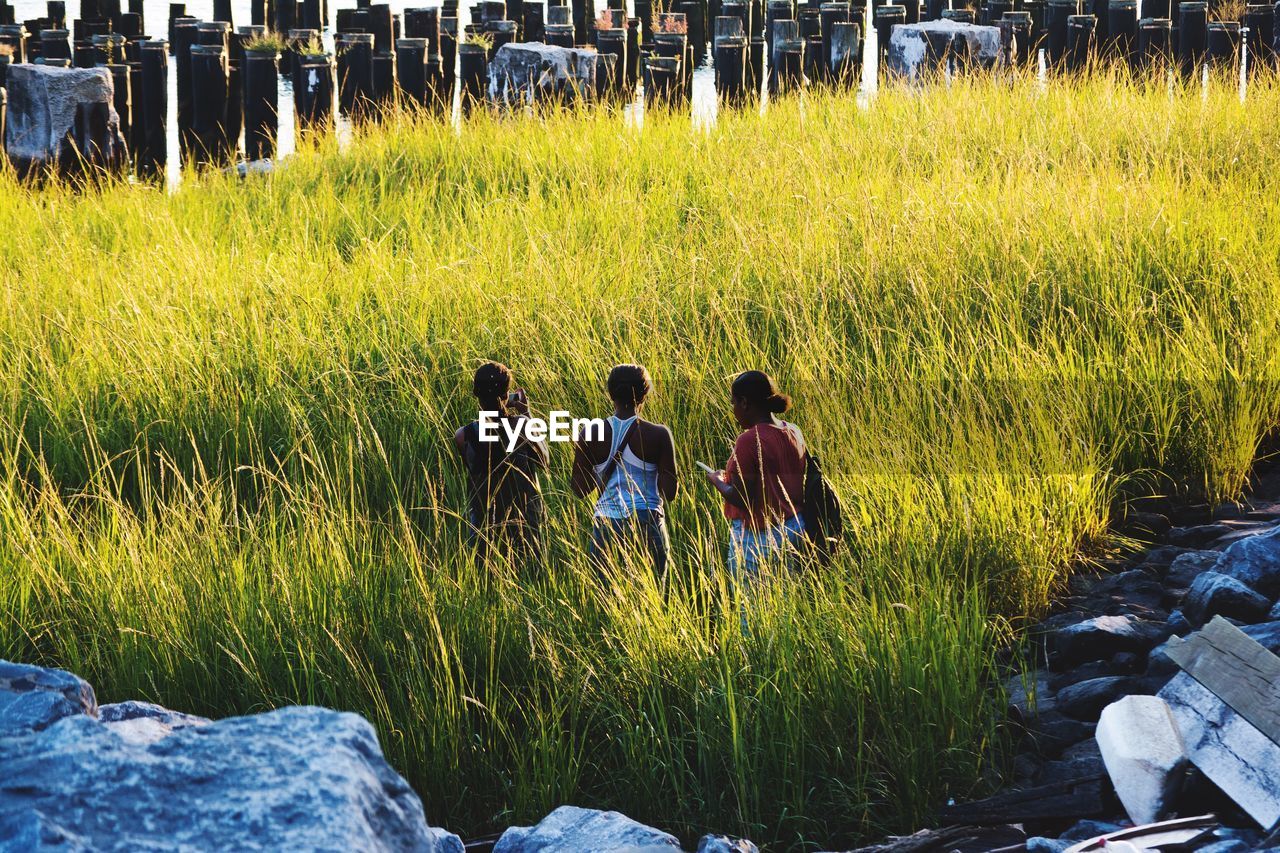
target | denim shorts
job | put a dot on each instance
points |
(644, 530)
(749, 549)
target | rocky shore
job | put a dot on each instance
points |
(1118, 724)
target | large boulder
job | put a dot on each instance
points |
(62, 119)
(143, 722)
(1215, 594)
(1143, 754)
(299, 778)
(570, 829)
(1255, 562)
(1101, 637)
(914, 48)
(530, 71)
(33, 697)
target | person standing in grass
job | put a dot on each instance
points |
(763, 482)
(505, 510)
(633, 467)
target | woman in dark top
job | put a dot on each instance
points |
(504, 499)
(763, 482)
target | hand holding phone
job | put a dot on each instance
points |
(518, 401)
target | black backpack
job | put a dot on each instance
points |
(823, 513)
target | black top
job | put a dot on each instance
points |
(504, 486)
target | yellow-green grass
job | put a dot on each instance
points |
(228, 481)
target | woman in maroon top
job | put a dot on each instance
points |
(763, 483)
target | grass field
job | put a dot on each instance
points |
(226, 481)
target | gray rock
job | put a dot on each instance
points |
(1085, 701)
(43, 132)
(1229, 846)
(1215, 594)
(1273, 614)
(1177, 623)
(570, 829)
(1055, 733)
(1085, 829)
(446, 841)
(143, 722)
(1143, 753)
(34, 697)
(1187, 567)
(525, 71)
(1267, 634)
(909, 54)
(1038, 844)
(1255, 562)
(1159, 662)
(297, 778)
(1101, 637)
(725, 844)
(1199, 535)
(32, 832)
(1137, 591)
(1029, 695)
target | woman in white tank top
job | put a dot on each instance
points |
(634, 473)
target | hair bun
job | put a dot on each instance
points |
(778, 403)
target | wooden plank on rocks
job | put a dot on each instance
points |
(1236, 757)
(1237, 669)
(1070, 799)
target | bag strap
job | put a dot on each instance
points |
(612, 465)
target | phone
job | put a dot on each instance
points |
(705, 467)
(514, 397)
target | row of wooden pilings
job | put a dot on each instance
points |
(228, 79)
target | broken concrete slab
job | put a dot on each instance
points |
(913, 48)
(1144, 756)
(523, 72)
(63, 120)
(1229, 750)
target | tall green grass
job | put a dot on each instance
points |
(1001, 306)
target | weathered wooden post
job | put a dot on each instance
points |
(153, 149)
(1122, 30)
(209, 102)
(614, 43)
(1259, 22)
(1222, 48)
(786, 73)
(449, 54)
(411, 69)
(313, 89)
(886, 18)
(776, 10)
(55, 44)
(472, 67)
(56, 11)
(846, 53)
(15, 37)
(1080, 29)
(176, 11)
(222, 12)
(1057, 13)
(696, 28)
(662, 81)
(355, 73)
(1023, 42)
(1193, 36)
(1155, 42)
(260, 72)
(830, 14)
(730, 64)
(184, 32)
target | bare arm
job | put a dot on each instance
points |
(668, 475)
(583, 479)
